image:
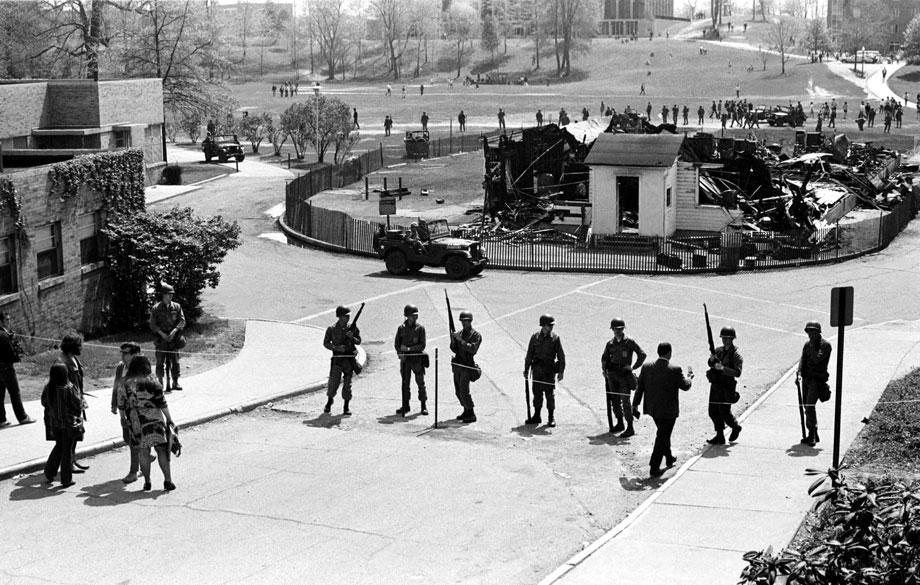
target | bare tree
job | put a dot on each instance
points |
(781, 34)
(20, 32)
(690, 8)
(461, 26)
(815, 36)
(327, 18)
(76, 28)
(396, 18)
(573, 25)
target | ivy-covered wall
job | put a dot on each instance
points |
(79, 298)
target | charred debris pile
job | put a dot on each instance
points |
(536, 180)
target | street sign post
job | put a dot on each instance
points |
(841, 316)
(388, 208)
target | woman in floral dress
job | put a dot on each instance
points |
(147, 416)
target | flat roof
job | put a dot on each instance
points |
(635, 150)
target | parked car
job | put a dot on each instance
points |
(786, 116)
(222, 147)
(435, 247)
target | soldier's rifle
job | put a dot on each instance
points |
(353, 328)
(798, 390)
(712, 345)
(450, 314)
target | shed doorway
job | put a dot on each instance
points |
(628, 204)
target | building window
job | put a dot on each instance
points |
(668, 197)
(88, 233)
(49, 251)
(122, 139)
(7, 266)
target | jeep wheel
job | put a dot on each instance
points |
(457, 267)
(415, 266)
(478, 270)
(396, 262)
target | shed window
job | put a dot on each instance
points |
(88, 233)
(7, 266)
(49, 251)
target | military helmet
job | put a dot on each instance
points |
(727, 331)
(547, 319)
(617, 323)
(466, 316)
(813, 326)
(410, 310)
(340, 311)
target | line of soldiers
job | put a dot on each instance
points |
(544, 364)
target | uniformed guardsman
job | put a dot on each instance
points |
(167, 322)
(724, 368)
(465, 343)
(342, 340)
(816, 354)
(545, 360)
(618, 367)
(410, 347)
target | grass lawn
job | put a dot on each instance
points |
(211, 342)
(906, 79)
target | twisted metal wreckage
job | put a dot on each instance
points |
(535, 177)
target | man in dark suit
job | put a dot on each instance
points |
(659, 383)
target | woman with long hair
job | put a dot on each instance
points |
(147, 418)
(63, 423)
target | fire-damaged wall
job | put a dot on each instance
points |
(693, 216)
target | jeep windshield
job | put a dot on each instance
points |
(438, 229)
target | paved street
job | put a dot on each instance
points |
(283, 495)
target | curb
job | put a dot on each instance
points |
(112, 444)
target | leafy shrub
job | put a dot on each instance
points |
(867, 534)
(172, 175)
(174, 246)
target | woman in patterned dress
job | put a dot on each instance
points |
(147, 416)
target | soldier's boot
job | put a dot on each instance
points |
(629, 432)
(550, 420)
(815, 435)
(733, 436)
(619, 426)
(175, 384)
(810, 440)
(403, 410)
(718, 439)
(463, 414)
(328, 408)
(345, 411)
(469, 417)
(535, 419)
(424, 408)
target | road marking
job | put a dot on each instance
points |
(734, 295)
(275, 211)
(657, 306)
(367, 300)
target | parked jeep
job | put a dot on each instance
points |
(434, 247)
(223, 147)
(783, 115)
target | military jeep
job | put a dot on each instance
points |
(223, 147)
(434, 247)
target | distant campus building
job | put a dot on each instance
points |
(53, 277)
(628, 18)
(900, 13)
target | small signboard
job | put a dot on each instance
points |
(387, 206)
(841, 306)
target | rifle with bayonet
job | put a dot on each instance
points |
(711, 374)
(353, 329)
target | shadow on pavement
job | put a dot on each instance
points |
(526, 430)
(800, 450)
(325, 421)
(115, 492)
(713, 451)
(398, 418)
(419, 276)
(607, 439)
(34, 487)
(641, 484)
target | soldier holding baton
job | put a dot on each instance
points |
(545, 360)
(618, 366)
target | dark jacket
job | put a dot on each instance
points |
(8, 353)
(545, 353)
(813, 364)
(63, 411)
(659, 383)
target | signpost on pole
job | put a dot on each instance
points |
(388, 208)
(841, 316)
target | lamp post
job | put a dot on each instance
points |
(316, 88)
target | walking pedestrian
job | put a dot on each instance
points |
(701, 112)
(539, 118)
(501, 118)
(274, 92)
(421, 89)
(71, 348)
(148, 417)
(404, 91)
(387, 125)
(724, 368)
(410, 347)
(354, 116)
(812, 370)
(544, 362)
(584, 114)
(844, 110)
(167, 321)
(618, 366)
(10, 352)
(674, 113)
(648, 110)
(686, 113)
(342, 340)
(389, 90)
(461, 119)
(63, 423)
(424, 120)
(641, 89)
(898, 115)
(713, 113)
(659, 383)
(465, 343)
(129, 351)
(887, 129)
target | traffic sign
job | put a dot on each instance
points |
(387, 206)
(841, 306)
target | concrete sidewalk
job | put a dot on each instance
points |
(277, 360)
(747, 496)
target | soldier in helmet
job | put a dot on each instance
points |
(816, 354)
(410, 347)
(724, 368)
(464, 343)
(618, 366)
(167, 322)
(546, 360)
(342, 341)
